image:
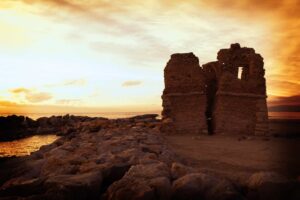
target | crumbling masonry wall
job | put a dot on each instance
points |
(184, 96)
(213, 97)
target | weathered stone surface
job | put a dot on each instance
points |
(184, 98)
(178, 170)
(84, 165)
(123, 161)
(203, 186)
(240, 102)
(260, 178)
(213, 97)
(149, 181)
(270, 185)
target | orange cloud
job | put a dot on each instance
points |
(283, 17)
(68, 101)
(131, 83)
(8, 104)
(61, 3)
(133, 21)
(32, 96)
(38, 97)
(283, 87)
(20, 90)
(85, 8)
(10, 107)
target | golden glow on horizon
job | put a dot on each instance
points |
(71, 55)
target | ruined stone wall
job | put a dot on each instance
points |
(212, 98)
(184, 99)
(240, 104)
(234, 114)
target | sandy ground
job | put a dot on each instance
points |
(237, 158)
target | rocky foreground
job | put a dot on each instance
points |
(125, 159)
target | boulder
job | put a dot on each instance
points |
(260, 178)
(178, 170)
(149, 181)
(271, 185)
(81, 186)
(203, 186)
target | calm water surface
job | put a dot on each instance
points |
(25, 146)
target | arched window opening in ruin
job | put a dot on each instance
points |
(240, 70)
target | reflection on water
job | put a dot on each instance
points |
(25, 146)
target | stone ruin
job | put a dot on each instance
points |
(227, 96)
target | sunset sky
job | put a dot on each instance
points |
(102, 55)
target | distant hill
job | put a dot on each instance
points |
(284, 104)
(285, 108)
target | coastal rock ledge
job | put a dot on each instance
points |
(118, 159)
(115, 163)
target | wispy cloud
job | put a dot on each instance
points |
(100, 37)
(20, 90)
(282, 87)
(68, 102)
(38, 97)
(131, 83)
(74, 82)
(4, 103)
(32, 96)
(78, 82)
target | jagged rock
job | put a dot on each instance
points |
(68, 164)
(150, 181)
(144, 118)
(178, 170)
(121, 162)
(79, 186)
(22, 188)
(203, 186)
(15, 127)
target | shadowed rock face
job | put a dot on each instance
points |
(184, 96)
(225, 96)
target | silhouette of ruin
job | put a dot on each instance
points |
(227, 96)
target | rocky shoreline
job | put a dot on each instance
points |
(124, 159)
(16, 127)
